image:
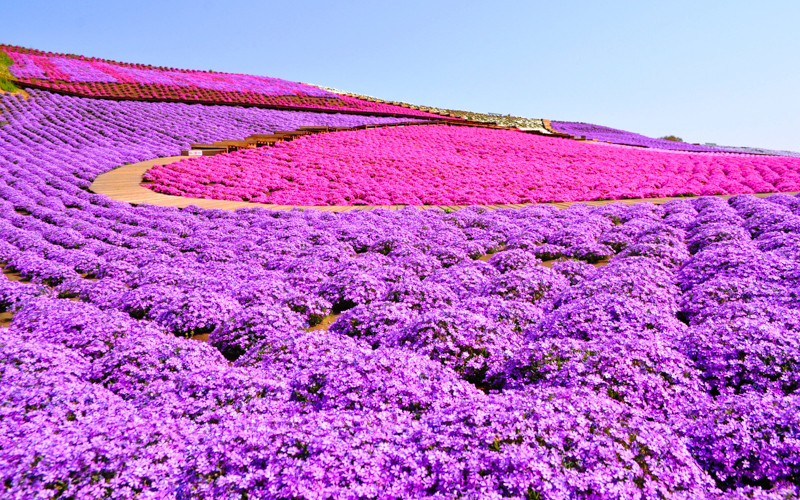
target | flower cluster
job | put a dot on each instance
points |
(740, 303)
(91, 77)
(455, 165)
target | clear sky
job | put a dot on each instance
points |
(726, 72)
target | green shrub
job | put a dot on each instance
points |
(6, 79)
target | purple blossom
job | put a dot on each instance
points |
(350, 288)
(14, 295)
(574, 270)
(533, 284)
(375, 323)
(651, 376)
(469, 343)
(250, 326)
(745, 354)
(748, 439)
(513, 260)
(515, 314)
(137, 362)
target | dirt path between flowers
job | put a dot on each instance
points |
(125, 184)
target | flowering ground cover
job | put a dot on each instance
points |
(762, 151)
(617, 136)
(92, 77)
(461, 365)
(456, 165)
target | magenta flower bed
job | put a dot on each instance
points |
(449, 165)
(92, 77)
(671, 372)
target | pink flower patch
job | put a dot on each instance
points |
(449, 165)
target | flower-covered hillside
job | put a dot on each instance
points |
(457, 165)
(92, 77)
(616, 136)
(636, 352)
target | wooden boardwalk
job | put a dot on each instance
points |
(125, 184)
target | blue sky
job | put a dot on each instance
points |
(726, 72)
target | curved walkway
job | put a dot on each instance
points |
(125, 184)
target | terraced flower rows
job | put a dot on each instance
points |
(456, 165)
(92, 77)
(592, 352)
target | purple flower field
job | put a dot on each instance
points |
(617, 136)
(636, 352)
